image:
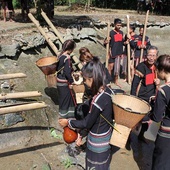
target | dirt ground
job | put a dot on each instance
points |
(29, 145)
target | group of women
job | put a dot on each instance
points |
(98, 149)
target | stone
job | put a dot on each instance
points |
(10, 50)
(12, 119)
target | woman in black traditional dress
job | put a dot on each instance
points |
(98, 151)
(64, 81)
(161, 113)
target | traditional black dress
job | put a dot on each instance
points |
(161, 113)
(98, 152)
(64, 79)
(143, 84)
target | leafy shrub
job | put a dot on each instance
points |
(16, 4)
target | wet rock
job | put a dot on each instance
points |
(12, 119)
(163, 24)
(32, 41)
(84, 33)
(5, 85)
(9, 50)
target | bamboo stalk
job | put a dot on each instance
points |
(144, 34)
(20, 95)
(12, 76)
(47, 38)
(25, 107)
(128, 52)
(107, 45)
(13, 104)
(52, 26)
(58, 35)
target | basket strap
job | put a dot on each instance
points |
(109, 123)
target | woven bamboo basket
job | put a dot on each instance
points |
(129, 110)
(48, 66)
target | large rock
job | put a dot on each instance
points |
(9, 50)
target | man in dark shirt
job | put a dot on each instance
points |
(145, 81)
(138, 45)
(116, 49)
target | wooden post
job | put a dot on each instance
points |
(128, 52)
(12, 76)
(19, 95)
(144, 34)
(47, 38)
(107, 45)
(24, 107)
(52, 26)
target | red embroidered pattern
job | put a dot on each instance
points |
(118, 37)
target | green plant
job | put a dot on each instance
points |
(16, 4)
(55, 135)
(67, 163)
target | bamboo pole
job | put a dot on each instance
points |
(144, 34)
(47, 38)
(107, 45)
(12, 76)
(13, 104)
(59, 36)
(52, 26)
(128, 52)
(20, 95)
(24, 107)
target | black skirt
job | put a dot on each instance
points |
(161, 154)
(66, 101)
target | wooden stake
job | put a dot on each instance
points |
(20, 95)
(128, 52)
(12, 76)
(144, 34)
(107, 45)
(52, 26)
(47, 38)
(24, 107)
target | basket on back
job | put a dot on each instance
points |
(129, 110)
(48, 66)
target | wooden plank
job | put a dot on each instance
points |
(19, 95)
(12, 76)
(24, 107)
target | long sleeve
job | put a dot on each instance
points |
(101, 104)
(159, 107)
(88, 121)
